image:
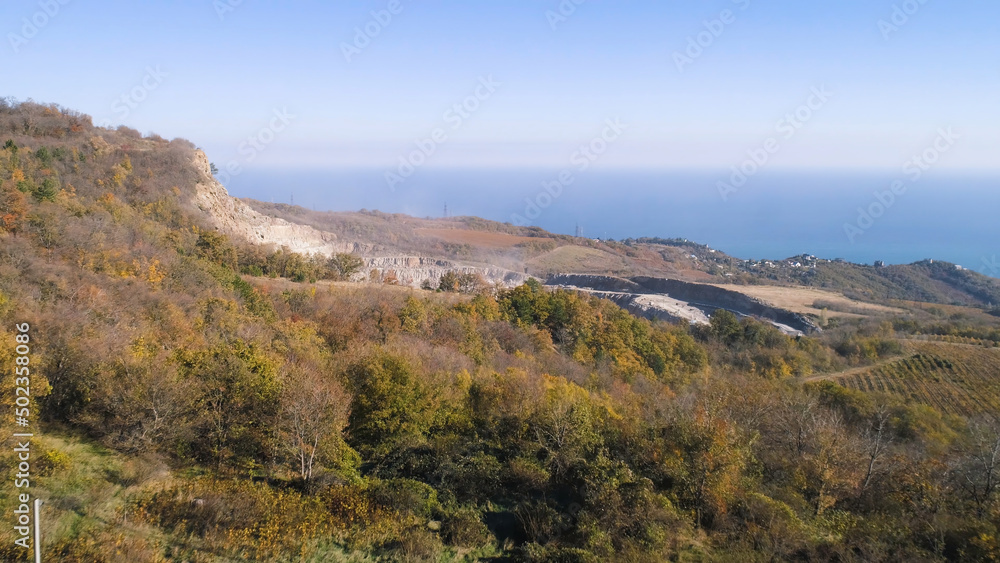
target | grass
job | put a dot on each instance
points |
(89, 494)
(83, 487)
(805, 300)
(578, 259)
(478, 238)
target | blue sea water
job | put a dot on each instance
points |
(951, 217)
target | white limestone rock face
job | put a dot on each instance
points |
(241, 222)
(414, 270)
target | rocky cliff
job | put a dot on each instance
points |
(241, 222)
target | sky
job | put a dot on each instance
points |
(764, 128)
(696, 84)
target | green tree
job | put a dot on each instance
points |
(725, 325)
(388, 411)
(240, 401)
(47, 191)
(44, 156)
(10, 147)
(450, 281)
(344, 265)
(526, 305)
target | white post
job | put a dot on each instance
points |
(38, 532)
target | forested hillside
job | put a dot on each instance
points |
(928, 281)
(202, 400)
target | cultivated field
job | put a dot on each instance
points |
(953, 378)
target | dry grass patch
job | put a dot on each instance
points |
(478, 238)
(804, 300)
(578, 260)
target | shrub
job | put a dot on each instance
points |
(464, 527)
(53, 461)
(417, 545)
(241, 517)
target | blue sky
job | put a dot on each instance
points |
(219, 78)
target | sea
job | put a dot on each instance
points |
(861, 217)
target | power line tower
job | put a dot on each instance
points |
(579, 231)
(446, 210)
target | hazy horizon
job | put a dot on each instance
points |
(525, 83)
(405, 106)
(777, 215)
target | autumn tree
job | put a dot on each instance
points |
(314, 411)
(876, 441)
(707, 460)
(215, 247)
(388, 411)
(472, 283)
(564, 424)
(413, 315)
(450, 281)
(976, 472)
(13, 207)
(139, 405)
(239, 402)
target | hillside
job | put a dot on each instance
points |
(211, 380)
(954, 378)
(542, 254)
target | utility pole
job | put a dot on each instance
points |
(38, 532)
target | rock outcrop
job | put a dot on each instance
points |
(414, 270)
(241, 222)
